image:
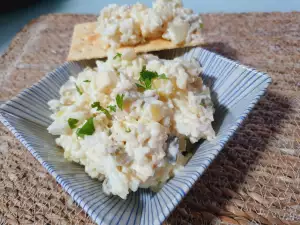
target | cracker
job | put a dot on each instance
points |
(86, 44)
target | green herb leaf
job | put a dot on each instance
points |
(148, 83)
(127, 130)
(105, 111)
(163, 76)
(72, 122)
(202, 103)
(118, 55)
(112, 108)
(78, 89)
(87, 81)
(100, 108)
(119, 100)
(88, 128)
(147, 76)
(140, 86)
(96, 105)
(201, 25)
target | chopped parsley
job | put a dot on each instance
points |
(87, 81)
(112, 108)
(87, 129)
(127, 130)
(140, 86)
(100, 108)
(201, 25)
(163, 76)
(146, 78)
(96, 105)
(202, 103)
(72, 122)
(78, 89)
(118, 55)
(119, 100)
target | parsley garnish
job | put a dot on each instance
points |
(119, 100)
(146, 78)
(78, 89)
(202, 103)
(127, 130)
(112, 108)
(100, 108)
(201, 25)
(87, 81)
(72, 122)
(87, 128)
(163, 76)
(118, 55)
(140, 86)
(96, 105)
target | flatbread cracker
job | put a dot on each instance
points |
(86, 44)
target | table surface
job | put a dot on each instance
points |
(255, 176)
(12, 22)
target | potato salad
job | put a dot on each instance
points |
(128, 120)
(125, 25)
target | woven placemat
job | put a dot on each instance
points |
(254, 180)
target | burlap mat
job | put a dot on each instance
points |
(255, 178)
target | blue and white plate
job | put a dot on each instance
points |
(235, 90)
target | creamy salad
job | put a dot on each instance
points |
(128, 120)
(133, 24)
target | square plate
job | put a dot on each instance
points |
(235, 90)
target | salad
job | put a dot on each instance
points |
(128, 120)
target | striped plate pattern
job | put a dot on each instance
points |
(235, 90)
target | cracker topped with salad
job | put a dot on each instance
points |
(167, 25)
